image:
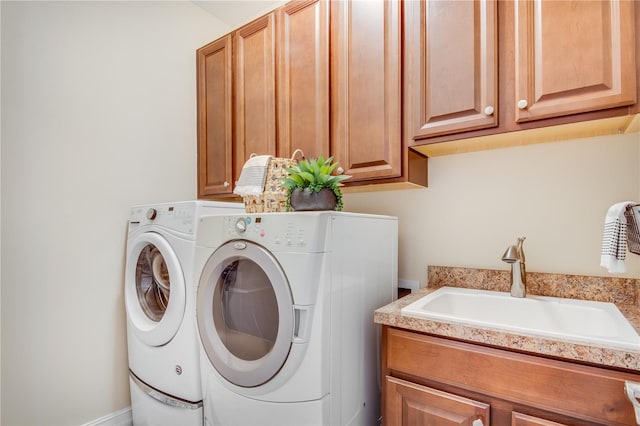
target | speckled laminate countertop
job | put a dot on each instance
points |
(621, 291)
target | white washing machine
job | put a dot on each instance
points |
(160, 289)
(284, 310)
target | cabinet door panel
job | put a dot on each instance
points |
(519, 419)
(303, 78)
(255, 84)
(214, 80)
(453, 65)
(365, 88)
(413, 404)
(573, 56)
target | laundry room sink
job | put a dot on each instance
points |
(580, 321)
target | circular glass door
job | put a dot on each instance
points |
(154, 289)
(245, 313)
(153, 283)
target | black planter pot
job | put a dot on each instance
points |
(306, 199)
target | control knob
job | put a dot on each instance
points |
(241, 226)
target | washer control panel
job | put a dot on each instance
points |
(178, 217)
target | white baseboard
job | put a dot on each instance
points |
(119, 418)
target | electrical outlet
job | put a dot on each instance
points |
(409, 284)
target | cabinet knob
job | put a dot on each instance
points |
(522, 104)
(488, 110)
(633, 392)
(340, 170)
(226, 184)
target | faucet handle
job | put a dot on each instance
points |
(514, 252)
(511, 255)
(520, 248)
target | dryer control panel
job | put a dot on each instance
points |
(304, 232)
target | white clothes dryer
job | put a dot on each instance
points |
(160, 289)
(284, 311)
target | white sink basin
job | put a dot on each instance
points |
(581, 321)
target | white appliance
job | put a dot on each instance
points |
(160, 294)
(284, 310)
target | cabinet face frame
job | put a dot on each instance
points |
(452, 63)
(544, 40)
(215, 139)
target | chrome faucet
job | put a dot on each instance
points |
(515, 256)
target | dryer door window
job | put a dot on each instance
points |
(155, 291)
(245, 310)
(245, 313)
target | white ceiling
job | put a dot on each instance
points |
(238, 12)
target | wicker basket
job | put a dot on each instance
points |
(633, 230)
(274, 197)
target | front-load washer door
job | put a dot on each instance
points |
(245, 313)
(154, 289)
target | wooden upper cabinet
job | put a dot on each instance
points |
(573, 56)
(317, 75)
(366, 88)
(215, 141)
(255, 89)
(303, 78)
(451, 65)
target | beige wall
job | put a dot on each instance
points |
(0, 211)
(478, 203)
(98, 108)
(98, 114)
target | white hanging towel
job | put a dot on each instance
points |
(253, 176)
(614, 240)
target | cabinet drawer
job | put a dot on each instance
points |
(579, 391)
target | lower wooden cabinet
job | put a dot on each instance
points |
(409, 403)
(433, 381)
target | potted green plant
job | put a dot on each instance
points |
(311, 186)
